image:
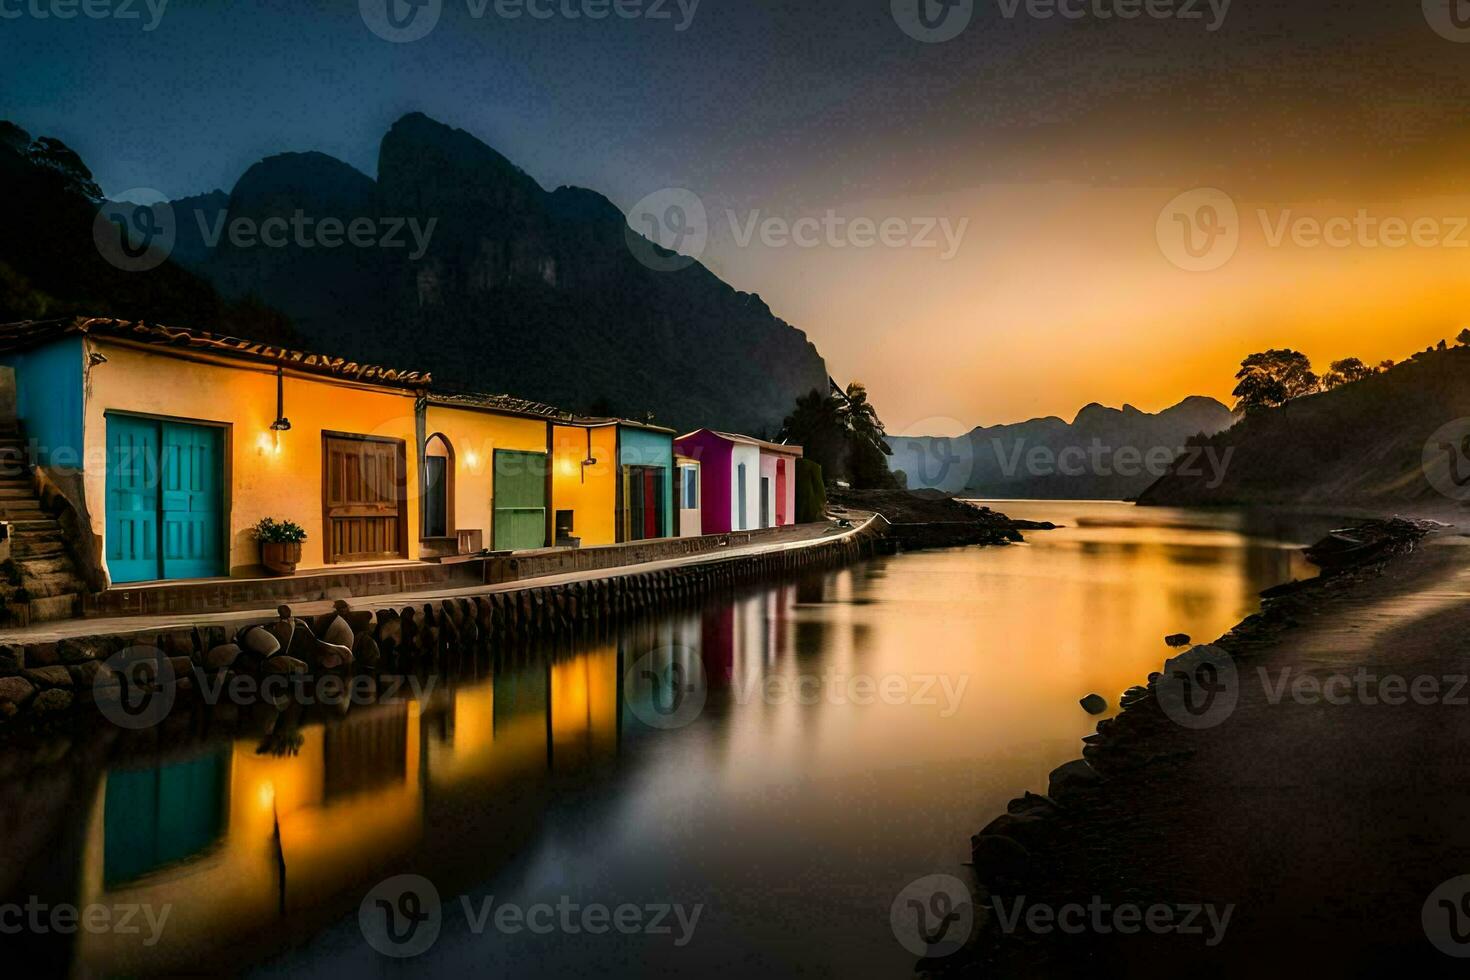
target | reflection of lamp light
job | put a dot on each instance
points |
(281, 424)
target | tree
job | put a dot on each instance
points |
(1463, 337)
(1384, 365)
(1272, 378)
(1345, 372)
(1441, 345)
(817, 425)
(841, 432)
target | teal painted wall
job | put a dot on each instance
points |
(639, 447)
(48, 400)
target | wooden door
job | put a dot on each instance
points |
(192, 504)
(364, 499)
(132, 499)
(520, 500)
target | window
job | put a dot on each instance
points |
(689, 480)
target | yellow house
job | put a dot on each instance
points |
(178, 442)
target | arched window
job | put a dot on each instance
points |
(438, 487)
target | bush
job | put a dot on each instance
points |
(272, 531)
(811, 493)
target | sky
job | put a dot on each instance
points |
(1059, 204)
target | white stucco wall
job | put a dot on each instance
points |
(751, 457)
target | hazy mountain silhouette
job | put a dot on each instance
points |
(517, 289)
(1101, 455)
(50, 264)
(1363, 443)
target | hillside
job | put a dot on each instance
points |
(1103, 454)
(500, 285)
(1363, 443)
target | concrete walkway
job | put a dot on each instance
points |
(134, 625)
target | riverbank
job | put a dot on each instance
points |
(1316, 804)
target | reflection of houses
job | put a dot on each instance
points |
(172, 444)
(745, 483)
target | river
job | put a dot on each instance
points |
(736, 790)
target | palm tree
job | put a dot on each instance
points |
(862, 419)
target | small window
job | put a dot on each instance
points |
(689, 478)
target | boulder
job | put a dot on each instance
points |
(82, 649)
(338, 633)
(15, 691)
(1094, 704)
(261, 642)
(1072, 778)
(49, 677)
(1031, 803)
(54, 700)
(222, 656)
(93, 673)
(12, 658)
(998, 858)
(1023, 828)
(330, 656)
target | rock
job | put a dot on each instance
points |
(12, 658)
(998, 858)
(183, 667)
(54, 700)
(1031, 803)
(366, 652)
(330, 656)
(222, 656)
(14, 691)
(50, 677)
(1094, 704)
(93, 673)
(261, 642)
(1074, 777)
(42, 654)
(282, 630)
(1133, 695)
(1177, 639)
(81, 649)
(1022, 827)
(338, 633)
(285, 665)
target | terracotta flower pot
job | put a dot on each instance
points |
(279, 557)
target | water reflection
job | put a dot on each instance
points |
(791, 807)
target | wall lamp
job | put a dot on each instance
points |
(281, 424)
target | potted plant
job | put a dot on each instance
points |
(280, 544)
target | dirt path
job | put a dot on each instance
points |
(1326, 825)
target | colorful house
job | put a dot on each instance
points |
(172, 444)
(746, 483)
(646, 458)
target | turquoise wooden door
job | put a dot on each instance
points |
(192, 509)
(165, 507)
(132, 499)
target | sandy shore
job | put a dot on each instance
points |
(1317, 815)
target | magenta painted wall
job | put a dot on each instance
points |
(713, 454)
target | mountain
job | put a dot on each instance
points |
(1102, 454)
(478, 274)
(1396, 438)
(51, 264)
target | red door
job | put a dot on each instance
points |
(651, 508)
(781, 516)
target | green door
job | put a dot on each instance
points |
(132, 499)
(520, 500)
(165, 508)
(192, 506)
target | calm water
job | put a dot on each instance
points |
(786, 762)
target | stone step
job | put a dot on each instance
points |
(24, 549)
(22, 510)
(55, 607)
(52, 584)
(41, 567)
(17, 493)
(34, 527)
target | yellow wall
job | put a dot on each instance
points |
(589, 491)
(269, 474)
(475, 435)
